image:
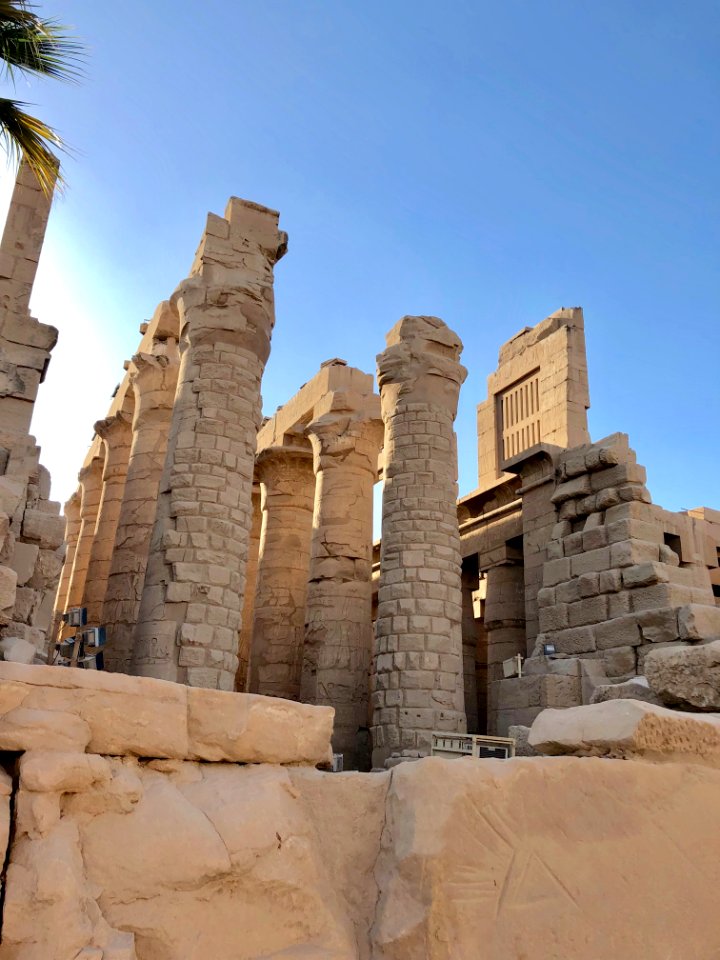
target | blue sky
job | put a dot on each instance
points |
(486, 162)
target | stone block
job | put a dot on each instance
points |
(619, 632)
(594, 561)
(628, 728)
(659, 626)
(589, 611)
(644, 575)
(699, 622)
(8, 591)
(627, 553)
(23, 561)
(246, 728)
(620, 661)
(687, 677)
(635, 689)
(48, 530)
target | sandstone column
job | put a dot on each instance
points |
(116, 435)
(72, 534)
(90, 478)
(418, 679)
(192, 598)
(338, 619)
(248, 610)
(154, 380)
(288, 491)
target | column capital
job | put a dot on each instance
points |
(349, 434)
(116, 434)
(279, 468)
(71, 510)
(153, 377)
(113, 428)
(421, 364)
(90, 476)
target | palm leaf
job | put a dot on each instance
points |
(26, 136)
(32, 44)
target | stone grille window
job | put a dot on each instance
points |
(519, 416)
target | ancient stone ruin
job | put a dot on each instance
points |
(179, 804)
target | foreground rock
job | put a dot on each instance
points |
(628, 728)
(52, 708)
(119, 859)
(686, 677)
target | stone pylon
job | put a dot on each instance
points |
(91, 484)
(116, 435)
(72, 534)
(338, 620)
(288, 491)
(418, 668)
(195, 580)
(154, 380)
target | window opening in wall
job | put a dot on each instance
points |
(519, 416)
(672, 540)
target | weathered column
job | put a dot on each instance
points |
(90, 478)
(248, 610)
(116, 435)
(419, 677)
(288, 490)
(192, 598)
(338, 618)
(154, 380)
(72, 534)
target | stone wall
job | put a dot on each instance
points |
(124, 841)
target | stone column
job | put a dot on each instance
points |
(72, 533)
(116, 435)
(338, 619)
(195, 581)
(90, 478)
(154, 380)
(288, 490)
(419, 675)
(248, 611)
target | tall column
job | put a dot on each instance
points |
(418, 671)
(90, 478)
(116, 435)
(192, 598)
(72, 533)
(154, 380)
(338, 618)
(248, 610)
(288, 490)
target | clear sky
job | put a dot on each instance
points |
(486, 162)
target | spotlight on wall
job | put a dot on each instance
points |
(549, 649)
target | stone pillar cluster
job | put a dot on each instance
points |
(226, 551)
(419, 671)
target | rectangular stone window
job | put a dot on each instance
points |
(519, 416)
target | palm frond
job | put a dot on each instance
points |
(29, 43)
(26, 136)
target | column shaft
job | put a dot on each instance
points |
(91, 490)
(195, 580)
(116, 435)
(73, 523)
(154, 380)
(248, 610)
(288, 491)
(338, 621)
(418, 671)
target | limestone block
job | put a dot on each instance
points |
(138, 716)
(618, 632)
(125, 715)
(47, 529)
(619, 661)
(248, 728)
(8, 585)
(17, 650)
(636, 688)
(699, 622)
(23, 561)
(502, 860)
(628, 728)
(43, 771)
(12, 495)
(688, 677)
(520, 735)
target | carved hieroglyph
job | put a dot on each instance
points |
(192, 599)
(418, 670)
